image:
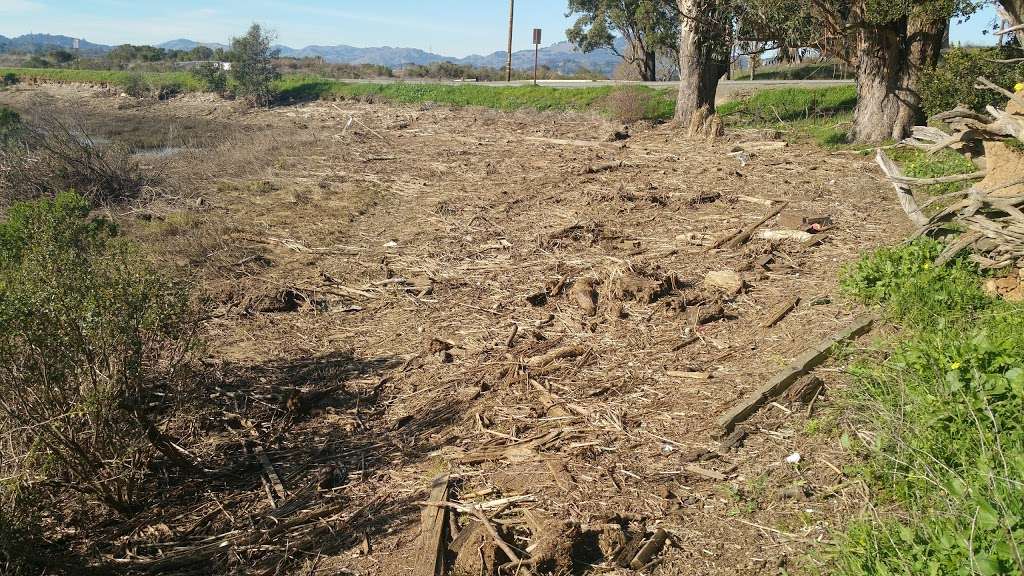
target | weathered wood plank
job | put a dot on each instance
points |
(781, 312)
(779, 383)
(433, 528)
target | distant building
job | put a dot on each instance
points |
(197, 63)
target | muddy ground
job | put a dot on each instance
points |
(395, 294)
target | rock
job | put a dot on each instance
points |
(728, 281)
(1009, 288)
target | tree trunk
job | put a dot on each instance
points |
(787, 55)
(647, 65)
(703, 56)
(1013, 12)
(890, 61)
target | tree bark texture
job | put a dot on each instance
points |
(1013, 12)
(703, 56)
(891, 58)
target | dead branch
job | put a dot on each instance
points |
(903, 192)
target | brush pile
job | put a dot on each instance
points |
(987, 216)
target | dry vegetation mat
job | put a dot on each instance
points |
(466, 341)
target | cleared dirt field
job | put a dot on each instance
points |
(395, 293)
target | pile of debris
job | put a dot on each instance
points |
(986, 218)
(473, 538)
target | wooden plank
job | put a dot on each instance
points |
(695, 470)
(275, 480)
(433, 528)
(744, 235)
(779, 383)
(815, 240)
(781, 312)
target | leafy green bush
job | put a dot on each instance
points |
(944, 412)
(136, 86)
(92, 340)
(952, 82)
(9, 79)
(212, 77)
(252, 66)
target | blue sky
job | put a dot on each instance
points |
(449, 27)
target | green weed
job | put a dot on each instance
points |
(919, 164)
(180, 81)
(819, 114)
(661, 104)
(945, 409)
(790, 104)
(298, 88)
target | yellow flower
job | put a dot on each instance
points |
(1019, 87)
(954, 366)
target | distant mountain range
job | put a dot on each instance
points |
(35, 42)
(562, 57)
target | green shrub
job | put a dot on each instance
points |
(944, 412)
(212, 77)
(9, 79)
(92, 340)
(10, 125)
(952, 82)
(136, 86)
(252, 66)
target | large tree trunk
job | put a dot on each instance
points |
(650, 66)
(703, 56)
(890, 61)
(1013, 12)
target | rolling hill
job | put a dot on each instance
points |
(562, 57)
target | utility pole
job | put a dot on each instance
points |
(511, 21)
